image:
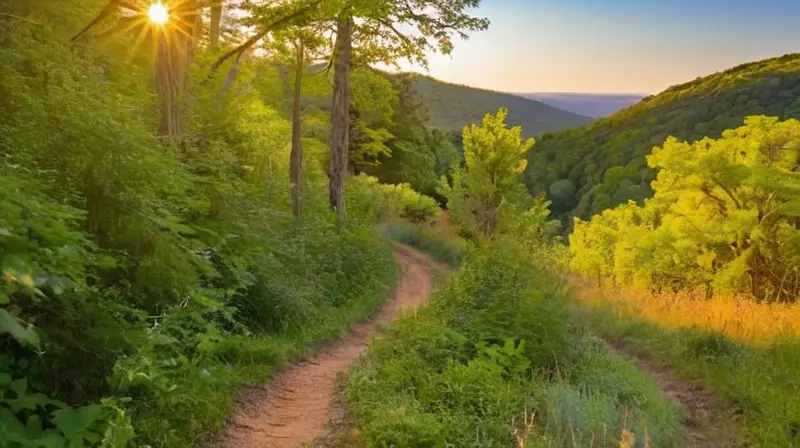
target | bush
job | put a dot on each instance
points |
(389, 200)
(492, 346)
(442, 246)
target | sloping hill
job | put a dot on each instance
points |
(599, 166)
(589, 104)
(452, 106)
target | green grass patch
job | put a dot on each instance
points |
(183, 397)
(443, 247)
(757, 385)
(493, 346)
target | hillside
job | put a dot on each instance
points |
(599, 166)
(594, 105)
(452, 106)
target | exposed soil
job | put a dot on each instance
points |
(703, 422)
(295, 406)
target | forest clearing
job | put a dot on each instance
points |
(229, 224)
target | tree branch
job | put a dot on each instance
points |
(727, 192)
(105, 12)
(258, 36)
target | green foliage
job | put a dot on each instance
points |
(443, 247)
(691, 111)
(751, 382)
(145, 280)
(724, 217)
(492, 346)
(412, 152)
(394, 200)
(487, 190)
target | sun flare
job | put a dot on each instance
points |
(158, 14)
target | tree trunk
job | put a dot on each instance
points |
(174, 57)
(340, 114)
(296, 165)
(216, 18)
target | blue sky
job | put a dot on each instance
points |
(625, 46)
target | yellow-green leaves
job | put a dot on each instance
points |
(490, 185)
(723, 217)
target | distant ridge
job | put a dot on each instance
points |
(597, 167)
(594, 105)
(452, 106)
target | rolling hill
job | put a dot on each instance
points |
(451, 106)
(590, 169)
(589, 104)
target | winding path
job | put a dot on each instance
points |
(295, 406)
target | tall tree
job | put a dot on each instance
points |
(379, 39)
(296, 163)
(216, 20)
(340, 113)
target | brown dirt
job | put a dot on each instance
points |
(295, 406)
(703, 423)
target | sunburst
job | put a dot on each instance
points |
(158, 13)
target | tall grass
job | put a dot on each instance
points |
(494, 347)
(736, 316)
(437, 241)
(747, 352)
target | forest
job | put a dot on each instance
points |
(590, 169)
(201, 198)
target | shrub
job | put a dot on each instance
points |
(493, 346)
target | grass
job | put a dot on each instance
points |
(739, 318)
(726, 344)
(493, 362)
(192, 411)
(438, 242)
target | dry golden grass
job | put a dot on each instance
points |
(740, 318)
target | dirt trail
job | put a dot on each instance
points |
(702, 423)
(295, 406)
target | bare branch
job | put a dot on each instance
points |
(105, 12)
(260, 35)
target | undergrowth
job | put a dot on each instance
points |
(756, 383)
(493, 361)
(438, 243)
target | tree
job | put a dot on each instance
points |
(367, 31)
(379, 39)
(296, 156)
(489, 186)
(724, 217)
(340, 115)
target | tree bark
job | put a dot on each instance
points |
(296, 164)
(340, 114)
(214, 26)
(176, 49)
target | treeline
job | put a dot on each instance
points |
(587, 170)
(725, 217)
(174, 219)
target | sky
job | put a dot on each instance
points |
(615, 46)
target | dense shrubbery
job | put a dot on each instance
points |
(144, 279)
(590, 169)
(493, 344)
(396, 200)
(724, 218)
(438, 242)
